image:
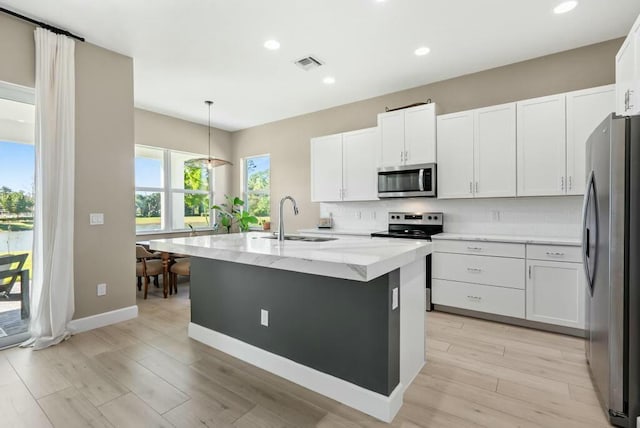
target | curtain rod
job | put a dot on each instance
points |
(42, 24)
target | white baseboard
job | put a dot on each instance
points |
(369, 402)
(101, 320)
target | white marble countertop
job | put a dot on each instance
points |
(517, 239)
(351, 232)
(352, 258)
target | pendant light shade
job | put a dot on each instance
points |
(208, 162)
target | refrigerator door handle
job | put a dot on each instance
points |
(586, 235)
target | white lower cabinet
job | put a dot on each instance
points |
(478, 297)
(556, 293)
(542, 283)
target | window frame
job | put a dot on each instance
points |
(245, 183)
(167, 192)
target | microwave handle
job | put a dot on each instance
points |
(421, 179)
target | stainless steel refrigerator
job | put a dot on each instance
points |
(611, 252)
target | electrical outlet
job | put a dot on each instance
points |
(96, 219)
(496, 215)
(394, 298)
(264, 317)
(102, 289)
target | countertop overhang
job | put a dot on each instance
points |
(353, 258)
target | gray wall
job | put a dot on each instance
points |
(340, 327)
(288, 140)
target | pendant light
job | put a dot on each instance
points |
(209, 162)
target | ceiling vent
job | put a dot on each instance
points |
(308, 63)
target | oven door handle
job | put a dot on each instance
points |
(421, 179)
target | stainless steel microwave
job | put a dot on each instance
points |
(408, 181)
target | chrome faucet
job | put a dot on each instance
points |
(295, 211)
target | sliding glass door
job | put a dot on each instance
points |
(17, 196)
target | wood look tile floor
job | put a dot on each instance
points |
(147, 373)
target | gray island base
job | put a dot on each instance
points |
(360, 342)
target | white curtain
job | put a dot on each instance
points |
(52, 300)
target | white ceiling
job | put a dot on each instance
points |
(186, 51)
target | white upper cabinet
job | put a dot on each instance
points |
(420, 134)
(541, 146)
(455, 155)
(628, 74)
(360, 165)
(408, 136)
(391, 126)
(495, 151)
(326, 168)
(477, 153)
(344, 166)
(586, 109)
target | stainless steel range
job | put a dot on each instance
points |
(414, 226)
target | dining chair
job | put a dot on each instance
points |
(147, 264)
(181, 266)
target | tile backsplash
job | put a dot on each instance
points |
(540, 216)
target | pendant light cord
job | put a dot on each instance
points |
(209, 103)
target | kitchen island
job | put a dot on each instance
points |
(342, 317)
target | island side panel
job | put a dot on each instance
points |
(340, 327)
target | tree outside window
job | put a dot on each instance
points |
(257, 187)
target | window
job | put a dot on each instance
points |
(170, 195)
(257, 185)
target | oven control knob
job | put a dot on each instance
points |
(435, 218)
(429, 217)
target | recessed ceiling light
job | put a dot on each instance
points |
(421, 51)
(565, 6)
(272, 45)
(329, 80)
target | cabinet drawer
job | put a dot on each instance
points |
(500, 271)
(558, 253)
(499, 249)
(484, 298)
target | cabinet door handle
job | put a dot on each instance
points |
(627, 100)
(476, 187)
(556, 253)
(562, 183)
(477, 270)
(570, 182)
(529, 272)
(474, 248)
(344, 193)
(470, 187)
(474, 298)
(401, 156)
(406, 155)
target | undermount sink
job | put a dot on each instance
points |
(302, 238)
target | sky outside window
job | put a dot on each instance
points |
(17, 166)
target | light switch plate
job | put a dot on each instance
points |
(264, 317)
(394, 298)
(96, 219)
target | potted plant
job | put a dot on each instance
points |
(266, 225)
(232, 212)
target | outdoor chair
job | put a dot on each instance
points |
(12, 268)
